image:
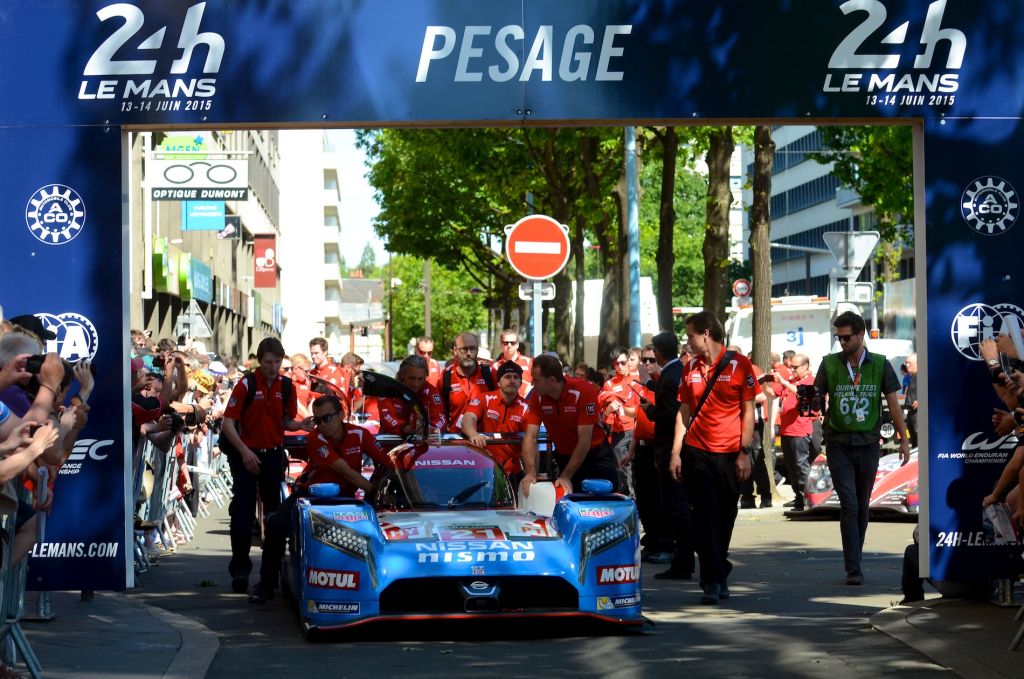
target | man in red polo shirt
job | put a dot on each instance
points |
(796, 428)
(620, 410)
(335, 451)
(253, 427)
(567, 406)
(464, 380)
(425, 348)
(328, 370)
(397, 416)
(504, 411)
(510, 352)
(716, 457)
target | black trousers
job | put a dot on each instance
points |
(796, 450)
(275, 537)
(675, 505)
(242, 509)
(647, 489)
(759, 474)
(711, 483)
(599, 464)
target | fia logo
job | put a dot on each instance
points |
(102, 61)
(990, 205)
(55, 214)
(978, 322)
(77, 339)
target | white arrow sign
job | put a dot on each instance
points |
(851, 248)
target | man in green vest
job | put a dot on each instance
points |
(855, 380)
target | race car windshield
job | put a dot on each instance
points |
(444, 479)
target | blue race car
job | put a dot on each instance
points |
(439, 537)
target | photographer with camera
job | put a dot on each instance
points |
(799, 410)
(855, 381)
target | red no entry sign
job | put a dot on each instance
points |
(537, 247)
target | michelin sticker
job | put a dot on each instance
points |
(605, 603)
(335, 607)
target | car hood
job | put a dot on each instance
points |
(463, 525)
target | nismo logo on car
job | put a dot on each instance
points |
(492, 53)
(474, 551)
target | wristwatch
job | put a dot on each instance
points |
(993, 362)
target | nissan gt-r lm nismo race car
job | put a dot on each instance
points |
(439, 537)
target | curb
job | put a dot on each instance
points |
(896, 622)
(198, 646)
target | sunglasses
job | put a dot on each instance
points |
(509, 343)
(424, 353)
(844, 338)
(648, 359)
(324, 419)
(621, 362)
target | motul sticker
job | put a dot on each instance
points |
(326, 579)
(614, 575)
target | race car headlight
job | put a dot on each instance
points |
(343, 539)
(601, 538)
(819, 479)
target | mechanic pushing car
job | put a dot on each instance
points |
(504, 411)
(567, 406)
(335, 450)
(398, 416)
(263, 405)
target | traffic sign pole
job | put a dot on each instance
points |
(538, 320)
(537, 247)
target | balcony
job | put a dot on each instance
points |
(332, 309)
(332, 272)
(332, 237)
(847, 197)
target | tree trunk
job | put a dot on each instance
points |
(716, 230)
(666, 258)
(563, 311)
(581, 278)
(761, 268)
(760, 253)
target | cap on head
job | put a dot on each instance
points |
(33, 325)
(509, 367)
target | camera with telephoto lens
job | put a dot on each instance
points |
(807, 399)
(33, 364)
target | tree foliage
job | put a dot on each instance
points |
(877, 162)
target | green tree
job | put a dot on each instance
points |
(368, 262)
(461, 310)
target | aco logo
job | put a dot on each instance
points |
(55, 214)
(978, 322)
(77, 339)
(989, 206)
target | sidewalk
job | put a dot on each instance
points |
(968, 637)
(114, 635)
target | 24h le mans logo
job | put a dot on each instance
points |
(55, 214)
(990, 205)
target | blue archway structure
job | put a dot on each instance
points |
(74, 75)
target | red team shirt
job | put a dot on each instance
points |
(464, 390)
(322, 453)
(433, 373)
(790, 422)
(718, 425)
(494, 416)
(576, 406)
(261, 425)
(644, 429)
(395, 412)
(619, 389)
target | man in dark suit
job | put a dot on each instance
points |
(662, 413)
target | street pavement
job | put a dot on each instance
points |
(790, 613)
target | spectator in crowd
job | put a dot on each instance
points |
(910, 398)
(855, 381)
(796, 425)
(261, 408)
(567, 407)
(465, 379)
(678, 519)
(510, 345)
(504, 411)
(425, 349)
(581, 370)
(716, 421)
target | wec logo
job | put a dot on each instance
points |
(613, 575)
(85, 449)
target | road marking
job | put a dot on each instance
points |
(535, 247)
